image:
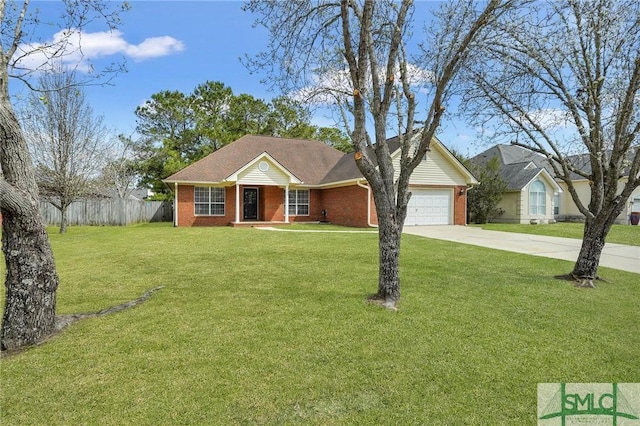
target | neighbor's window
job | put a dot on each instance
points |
(299, 202)
(209, 201)
(537, 197)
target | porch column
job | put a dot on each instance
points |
(237, 203)
(286, 204)
(175, 205)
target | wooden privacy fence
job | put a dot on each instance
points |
(116, 211)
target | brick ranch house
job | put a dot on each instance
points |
(251, 180)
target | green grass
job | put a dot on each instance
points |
(260, 327)
(620, 234)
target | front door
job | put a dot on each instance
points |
(250, 197)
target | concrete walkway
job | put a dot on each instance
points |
(617, 256)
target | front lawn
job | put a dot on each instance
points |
(620, 234)
(261, 327)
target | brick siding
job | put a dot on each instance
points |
(344, 206)
(460, 205)
(186, 209)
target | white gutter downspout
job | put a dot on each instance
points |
(237, 203)
(286, 204)
(368, 188)
(175, 205)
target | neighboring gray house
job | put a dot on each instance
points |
(532, 192)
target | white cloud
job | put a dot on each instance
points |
(78, 49)
(550, 118)
(335, 85)
(154, 47)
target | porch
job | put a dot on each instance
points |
(257, 224)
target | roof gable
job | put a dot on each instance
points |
(517, 176)
(261, 167)
(436, 145)
(520, 175)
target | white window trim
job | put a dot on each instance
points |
(293, 201)
(210, 203)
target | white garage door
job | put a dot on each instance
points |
(429, 207)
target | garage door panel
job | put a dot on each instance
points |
(429, 207)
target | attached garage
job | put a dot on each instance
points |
(430, 207)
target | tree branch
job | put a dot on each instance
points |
(17, 36)
(14, 201)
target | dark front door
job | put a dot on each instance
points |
(250, 198)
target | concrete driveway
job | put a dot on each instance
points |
(617, 256)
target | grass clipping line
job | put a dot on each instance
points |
(64, 321)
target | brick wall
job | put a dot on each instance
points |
(315, 208)
(187, 217)
(460, 205)
(271, 203)
(270, 208)
(346, 205)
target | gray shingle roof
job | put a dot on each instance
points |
(512, 154)
(518, 165)
(582, 161)
(518, 176)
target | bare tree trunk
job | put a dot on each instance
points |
(389, 279)
(586, 267)
(31, 280)
(389, 237)
(63, 218)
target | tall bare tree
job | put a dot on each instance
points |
(360, 47)
(561, 77)
(68, 143)
(31, 280)
(120, 174)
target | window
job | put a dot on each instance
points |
(299, 202)
(209, 201)
(556, 204)
(537, 199)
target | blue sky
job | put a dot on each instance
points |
(177, 45)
